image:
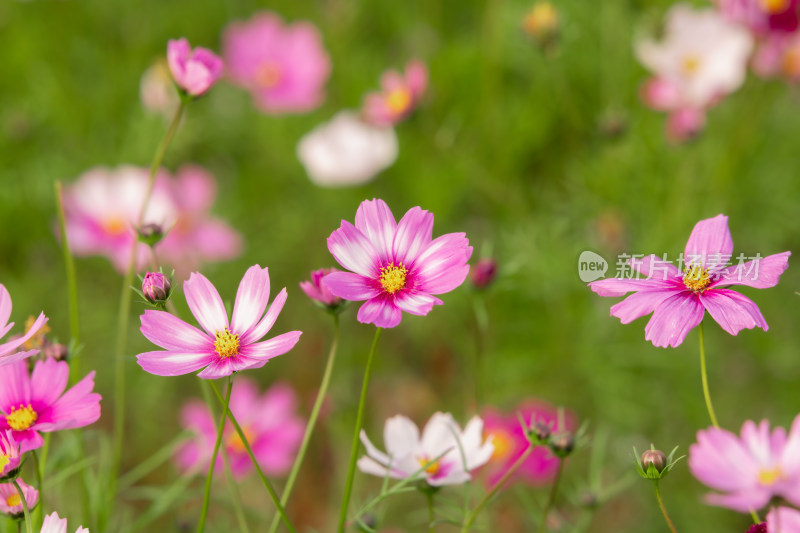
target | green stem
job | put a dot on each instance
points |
(704, 377)
(431, 512)
(25, 510)
(39, 468)
(664, 509)
(491, 494)
(261, 475)
(756, 518)
(69, 267)
(482, 321)
(552, 497)
(312, 421)
(351, 470)
(201, 525)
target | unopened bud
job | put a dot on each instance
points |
(55, 351)
(541, 431)
(655, 458)
(151, 234)
(562, 444)
(483, 273)
(156, 287)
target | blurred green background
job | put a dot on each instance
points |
(537, 155)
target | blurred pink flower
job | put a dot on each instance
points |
(398, 97)
(194, 71)
(685, 124)
(483, 272)
(317, 291)
(269, 421)
(103, 206)
(10, 500)
(38, 402)
(8, 350)
(778, 56)
(54, 524)
(285, 67)
(510, 442)
(156, 90)
(443, 446)
(783, 520)
(762, 16)
(749, 470)
(678, 300)
(395, 266)
(346, 151)
(9, 453)
(225, 346)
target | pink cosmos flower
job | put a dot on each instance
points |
(317, 291)
(510, 442)
(779, 56)
(195, 71)
(8, 350)
(749, 470)
(399, 95)
(678, 300)
(225, 346)
(395, 266)
(762, 16)
(285, 67)
(9, 453)
(10, 500)
(269, 422)
(443, 447)
(783, 520)
(54, 524)
(37, 402)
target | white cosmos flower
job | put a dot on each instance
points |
(703, 56)
(440, 447)
(346, 151)
(54, 524)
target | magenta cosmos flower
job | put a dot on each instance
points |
(9, 454)
(269, 421)
(395, 266)
(8, 350)
(678, 300)
(37, 402)
(749, 470)
(399, 95)
(285, 67)
(55, 524)
(225, 346)
(10, 500)
(194, 71)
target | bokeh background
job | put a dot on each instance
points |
(538, 154)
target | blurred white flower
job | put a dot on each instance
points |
(346, 151)
(157, 91)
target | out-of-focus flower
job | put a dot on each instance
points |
(284, 66)
(156, 287)
(395, 266)
(346, 151)
(194, 71)
(37, 402)
(483, 273)
(399, 95)
(54, 524)
(510, 441)
(225, 346)
(749, 470)
(8, 350)
(678, 300)
(779, 56)
(762, 16)
(9, 454)
(317, 291)
(11, 501)
(156, 90)
(541, 22)
(782, 520)
(685, 124)
(269, 422)
(759, 528)
(55, 350)
(438, 450)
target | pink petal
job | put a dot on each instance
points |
(380, 311)
(49, 380)
(400, 436)
(759, 273)
(17, 356)
(375, 220)
(639, 304)
(12, 345)
(417, 77)
(414, 233)
(78, 407)
(266, 350)
(672, 320)
(219, 368)
(172, 333)
(5, 306)
(613, 287)
(350, 286)
(353, 250)
(205, 303)
(442, 266)
(732, 311)
(175, 363)
(14, 386)
(720, 461)
(251, 299)
(754, 498)
(655, 267)
(710, 243)
(415, 302)
(263, 327)
(783, 520)
(178, 52)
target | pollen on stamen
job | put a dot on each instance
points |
(432, 468)
(393, 278)
(399, 100)
(13, 500)
(226, 343)
(696, 278)
(21, 418)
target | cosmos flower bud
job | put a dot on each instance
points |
(150, 234)
(56, 351)
(483, 273)
(654, 464)
(318, 292)
(540, 431)
(194, 70)
(655, 458)
(156, 287)
(562, 444)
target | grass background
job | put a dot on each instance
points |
(536, 156)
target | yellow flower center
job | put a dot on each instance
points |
(38, 337)
(393, 278)
(696, 278)
(503, 444)
(690, 65)
(268, 75)
(4, 460)
(770, 477)
(432, 468)
(226, 343)
(13, 500)
(773, 6)
(235, 443)
(541, 19)
(114, 225)
(399, 100)
(21, 418)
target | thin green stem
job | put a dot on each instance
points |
(482, 321)
(551, 499)
(664, 509)
(756, 518)
(491, 494)
(351, 469)
(39, 476)
(704, 377)
(69, 267)
(312, 421)
(25, 510)
(431, 512)
(201, 525)
(261, 475)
